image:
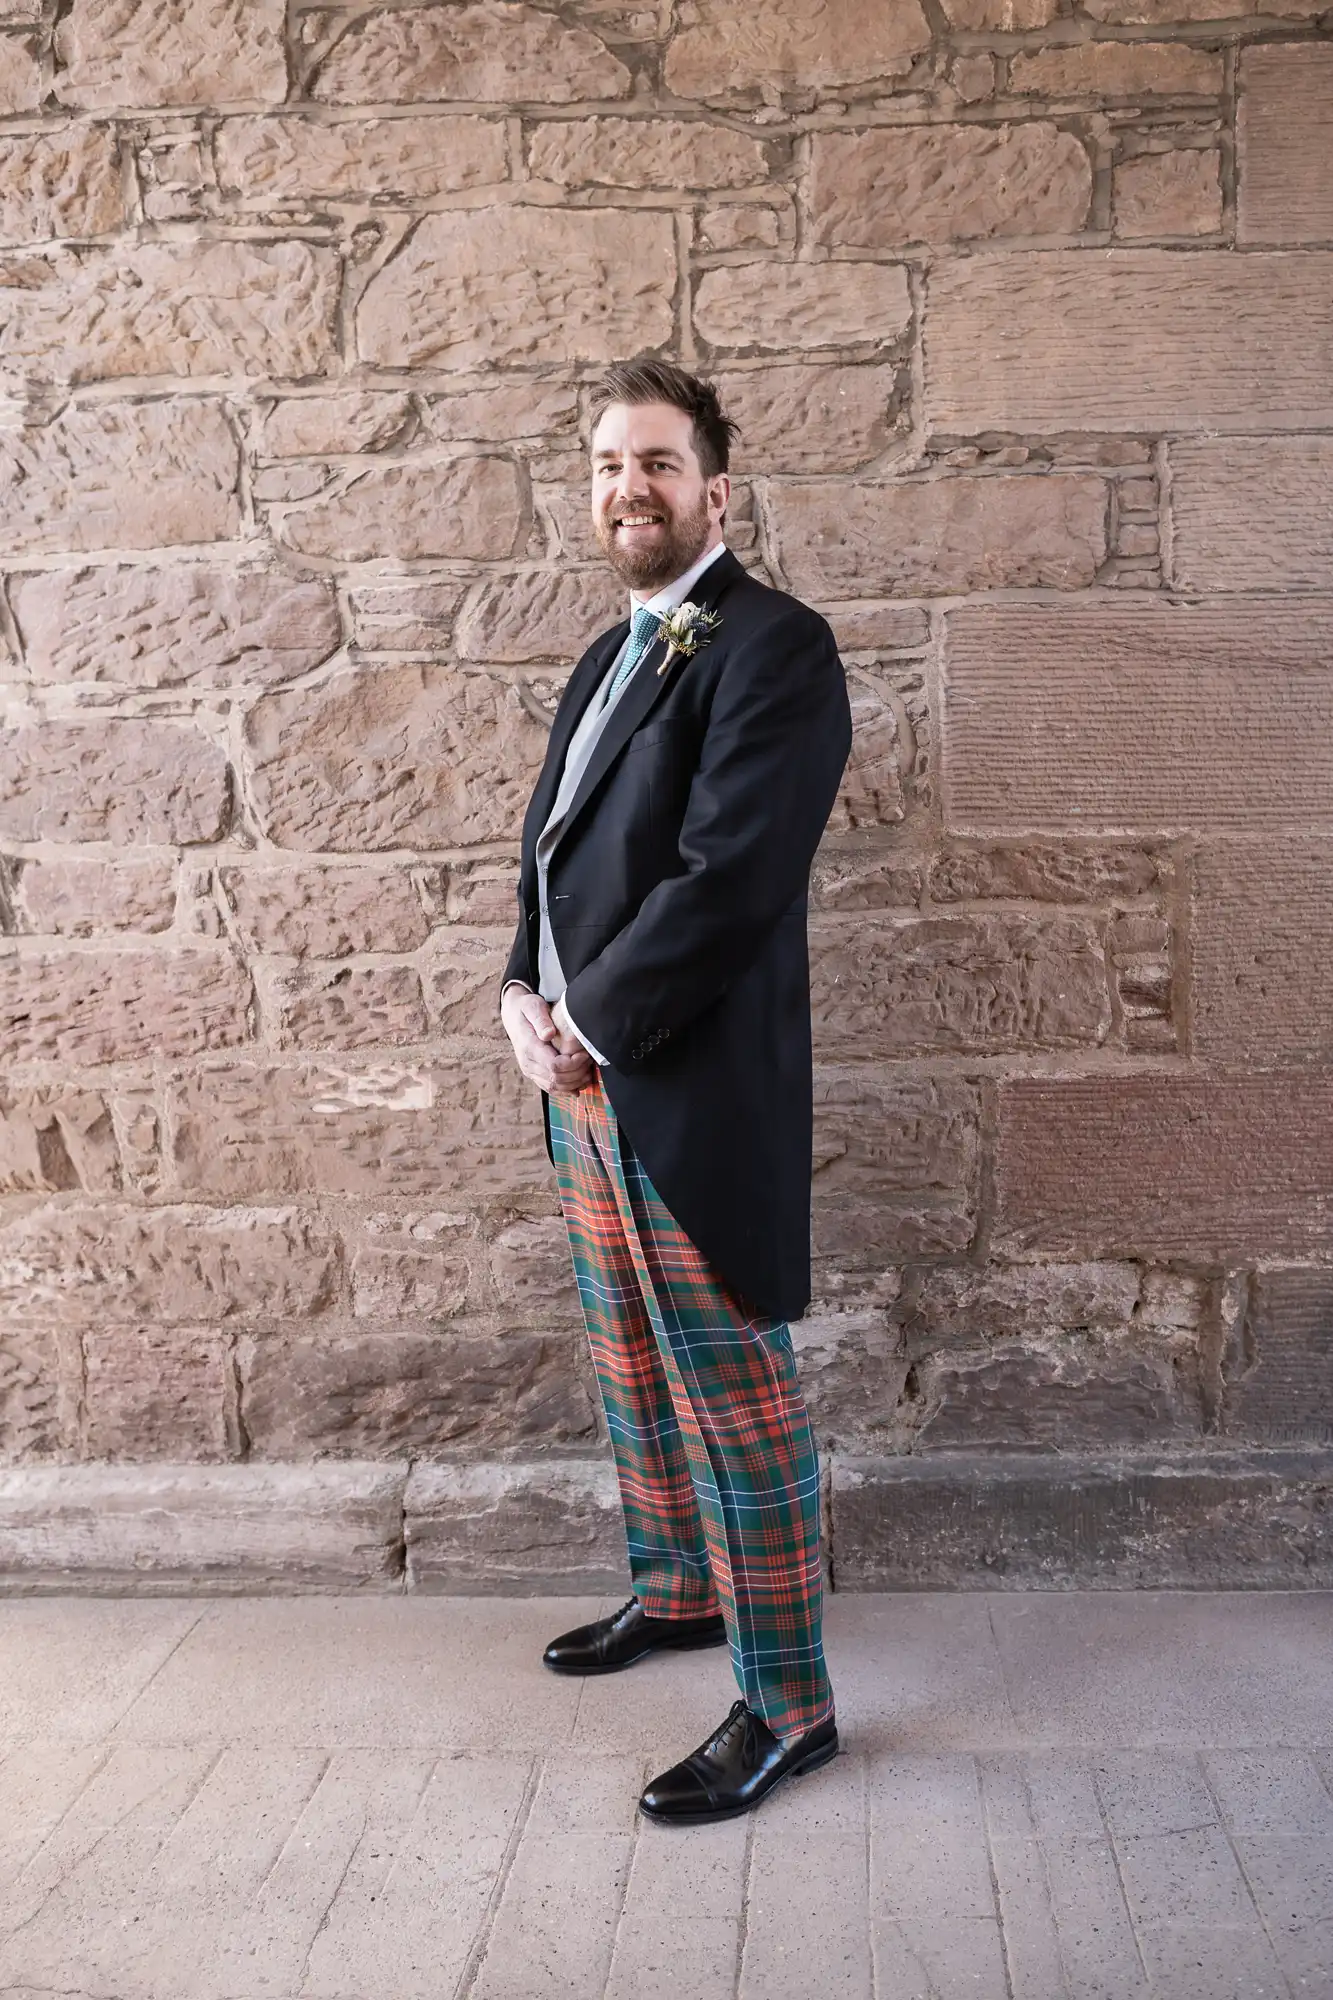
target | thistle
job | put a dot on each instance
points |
(686, 629)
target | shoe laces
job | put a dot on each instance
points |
(738, 1716)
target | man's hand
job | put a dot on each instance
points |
(551, 1057)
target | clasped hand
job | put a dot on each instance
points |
(546, 1048)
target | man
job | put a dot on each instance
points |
(658, 993)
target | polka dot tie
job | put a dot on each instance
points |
(642, 631)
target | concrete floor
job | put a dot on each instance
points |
(1040, 1798)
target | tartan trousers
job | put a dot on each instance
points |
(718, 1473)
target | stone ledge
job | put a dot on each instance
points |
(1016, 1521)
(540, 1527)
(178, 1529)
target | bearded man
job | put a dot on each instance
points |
(658, 994)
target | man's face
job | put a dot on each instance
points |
(653, 512)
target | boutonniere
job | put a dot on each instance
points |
(686, 629)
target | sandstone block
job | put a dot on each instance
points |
(61, 183)
(462, 508)
(984, 985)
(895, 1165)
(1137, 715)
(122, 1006)
(794, 306)
(96, 315)
(323, 426)
(1058, 1397)
(482, 892)
(871, 792)
(482, 288)
(540, 615)
(1008, 16)
(274, 160)
(1168, 194)
(739, 226)
(325, 912)
(493, 52)
(377, 1392)
(929, 184)
(199, 626)
(21, 84)
(842, 881)
(124, 54)
(80, 895)
(1283, 1393)
(1211, 1169)
(1284, 130)
(1046, 872)
(879, 628)
(345, 1006)
(414, 1270)
(1117, 69)
(462, 983)
(964, 1308)
(58, 1139)
(794, 44)
(543, 1525)
(1263, 949)
(444, 1130)
(499, 416)
(428, 759)
(186, 1528)
(30, 1413)
(115, 1265)
(1036, 341)
(947, 535)
(1252, 518)
(666, 153)
(810, 419)
(404, 617)
(119, 476)
(155, 1392)
(531, 1265)
(853, 1371)
(119, 779)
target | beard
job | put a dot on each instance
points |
(649, 568)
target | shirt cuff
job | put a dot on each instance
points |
(596, 1054)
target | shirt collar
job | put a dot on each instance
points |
(675, 593)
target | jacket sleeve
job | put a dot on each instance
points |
(773, 753)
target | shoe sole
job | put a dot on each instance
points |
(620, 1666)
(812, 1761)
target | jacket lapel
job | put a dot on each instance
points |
(645, 690)
(579, 690)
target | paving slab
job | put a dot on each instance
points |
(72, 1667)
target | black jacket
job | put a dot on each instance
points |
(677, 898)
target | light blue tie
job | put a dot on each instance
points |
(642, 631)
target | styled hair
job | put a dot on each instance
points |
(649, 380)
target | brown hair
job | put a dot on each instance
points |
(649, 380)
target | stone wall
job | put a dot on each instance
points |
(1025, 310)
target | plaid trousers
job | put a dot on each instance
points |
(718, 1473)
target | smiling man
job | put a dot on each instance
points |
(658, 994)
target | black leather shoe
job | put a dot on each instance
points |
(739, 1764)
(626, 1636)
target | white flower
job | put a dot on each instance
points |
(685, 629)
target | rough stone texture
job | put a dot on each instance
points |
(801, 306)
(57, 1139)
(794, 44)
(415, 1267)
(1045, 872)
(872, 789)
(1009, 16)
(645, 153)
(463, 978)
(1117, 69)
(546, 615)
(1168, 194)
(1071, 1393)
(530, 1525)
(895, 1166)
(124, 780)
(1244, 522)
(123, 1006)
(492, 52)
(876, 190)
(460, 508)
(1000, 1520)
(816, 420)
(323, 426)
(1212, 1169)
(1037, 341)
(940, 535)
(404, 617)
(155, 1392)
(325, 912)
(420, 1393)
(531, 1266)
(1281, 1390)
(1284, 128)
(392, 757)
(127, 54)
(119, 476)
(980, 985)
(158, 627)
(1138, 715)
(21, 84)
(30, 1395)
(1263, 950)
(472, 288)
(345, 1006)
(267, 160)
(240, 309)
(79, 896)
(59, 184)
(186, 1528)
